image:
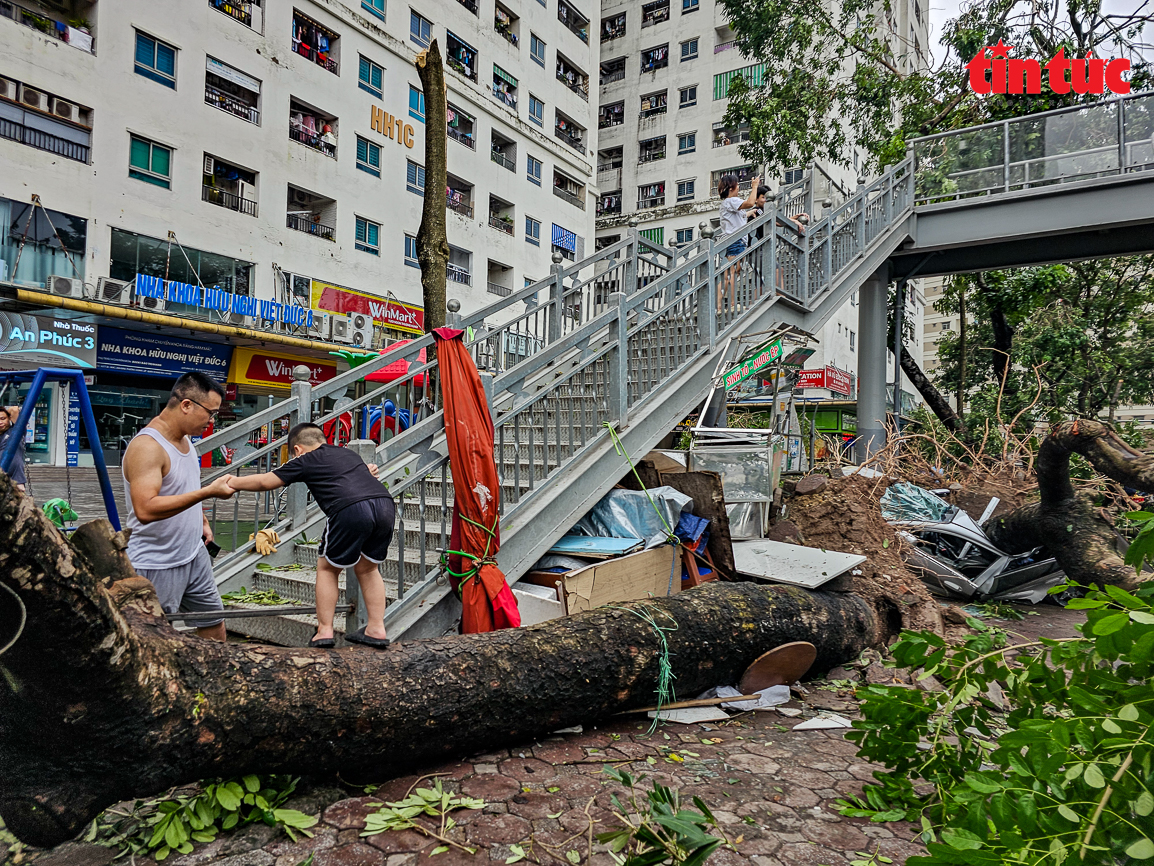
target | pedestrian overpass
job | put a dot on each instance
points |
(633, 336)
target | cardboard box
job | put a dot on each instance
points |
(635, 577)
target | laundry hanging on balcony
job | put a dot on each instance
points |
(488, 603)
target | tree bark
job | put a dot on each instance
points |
(432, 237)
(960, 395)
(104, 701)
(938, 404)
(1075, 532)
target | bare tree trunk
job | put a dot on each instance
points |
(1075, 532)
(103, 701)
(938, 404)
(432, 237)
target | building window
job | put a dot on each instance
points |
(690, 6)
(368, 236)
(533, 170)
(155, 60)
(416, 104)
(688, 50)
(536, 110)
(753, 76)
(411, 252)
(533, 231)
(368, 157)
(420, 29)
(415, 178)
(852, 341)
(946, 326)
(793, 175)
(687, 142)
(150, 162)
(376, 7)
(537, 50)
(685, 190)
(370, 77)
(684, 236)
(653, 59)
(688, 96)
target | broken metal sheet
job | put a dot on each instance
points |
(824, 723)
(691, 715)
(791, 563)
(594, 547)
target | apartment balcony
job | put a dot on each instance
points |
(457, 274)
(499, 290)
(471, 5)
(310, 224)
(459, 205)
(314, 141)
(501, 224)
(320, 58)
(76, 37)
(575, 200)
(462, 137)
(232, 201)
(573, 141)
(503, 160)
(45, 141)
(646, 203)
(615, 75)
(239, 10)
(609, 178)
(724, 46)
(574, 20)
(650, 156)
(227, 102)
(609, 205)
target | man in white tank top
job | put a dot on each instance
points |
(162, 489)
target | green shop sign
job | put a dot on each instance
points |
(765, 356)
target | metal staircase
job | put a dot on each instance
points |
(633, 336)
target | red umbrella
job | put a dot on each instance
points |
(488, 602)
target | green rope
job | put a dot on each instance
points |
(477, 561)
(665, 676)
(620, 449)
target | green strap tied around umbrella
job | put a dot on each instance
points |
(665, 676)
(478, 561)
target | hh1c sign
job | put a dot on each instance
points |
(47, 342)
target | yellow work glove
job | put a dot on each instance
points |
(266, 541)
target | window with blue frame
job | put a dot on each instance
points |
(684, 236)
(536, 110)
(150, 162)
(368, 157)
(533, 231)
(376, 7)
(370, 78)
(690, 6)
(533, 170)
(368, 236)
(420, 29)
(536, 49)
(415, 178)
(687, 142)
(416, 103)
(686, 189)
(411, 252)
(155, 60)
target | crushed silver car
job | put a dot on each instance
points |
(950, 552)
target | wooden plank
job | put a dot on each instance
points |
(708, 496)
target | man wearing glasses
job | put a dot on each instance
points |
(163, 492)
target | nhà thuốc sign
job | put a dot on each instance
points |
(765, 356)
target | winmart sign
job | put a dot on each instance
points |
(997, 72)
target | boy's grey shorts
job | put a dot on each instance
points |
(187, 587)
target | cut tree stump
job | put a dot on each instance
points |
(104, 701)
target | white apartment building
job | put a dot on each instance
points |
(280, 144)
(663, 143)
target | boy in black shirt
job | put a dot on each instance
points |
(361, 514)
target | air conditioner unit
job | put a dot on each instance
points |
(239, 319)
(300, 197)
(362, 334)
(9, 89)
(342, 331)
(66, 110)
(322, 327)
(66, 287)
(209, 164)
(33, 98)
(153, 305)
(111, 291)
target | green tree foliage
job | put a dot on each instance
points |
(842, 76)
(1082, 333)
(1038, 753)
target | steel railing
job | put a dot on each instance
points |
(230, 200)
(43, 140)
(1105, 139)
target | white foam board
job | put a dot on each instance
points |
(809, 567)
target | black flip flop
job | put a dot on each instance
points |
(322, 643)
(359, 636)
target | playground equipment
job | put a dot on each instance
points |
(75, 380)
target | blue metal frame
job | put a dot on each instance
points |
(75, 378)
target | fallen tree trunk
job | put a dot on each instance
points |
(105, 701)
(1068, 524)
